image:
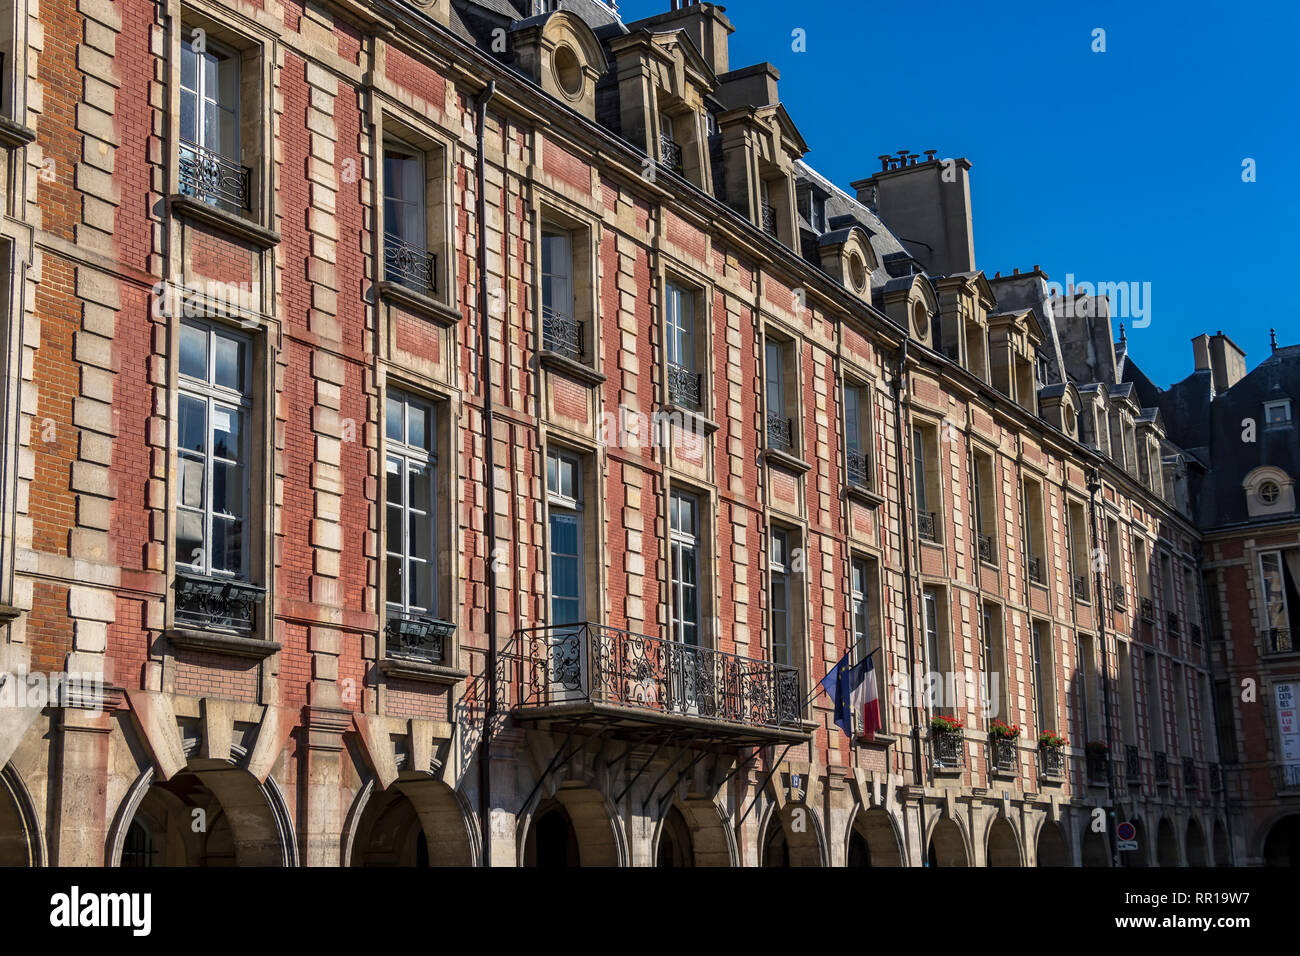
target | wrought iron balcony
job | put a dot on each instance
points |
(410, 265)
(768, 214)
(988, 549)
(1004, 755)
(1051, 762)
(1034, 568)
(1161, 762)
(1098, 765)
(780, 432)
(1147, 610)
(1278, 640)
(927, 525)
(1190, 781)
(209, 602)
(213, 178)
(1118, 597)
(947, 750)
(593, 673)
(1132, 764)
(683, 386)
(420, 638)
(1081, 587)
(859, 466)
(1288, 776)
(670, 154)
(1172, 624)
(563, 335)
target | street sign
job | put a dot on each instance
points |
(1126, 831)
(1125, 845)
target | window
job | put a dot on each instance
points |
(1191, 606)
(1224, 699)
(995, 670)
(564, 495)
(780, 585)
(936, 647)
(410, 501)
(561, 332)
(857, 435)
(684, 382)
(985, 507)
(1044, 682)
(1277, 414)
(859, 589)
(683, 519)
(767, 211)
(1181, 710)
(925, 481)
(1279, 573)
(1035, 546)
(209, 124)
(817, 212)
(1155, 716)
(670, 151)
(213, 484)
(780, 421)
(1115, 565)
(1269, 492)
(1080, 566)
(1127, 701)
(1167, 594)
(1141, 568)
(407, 260)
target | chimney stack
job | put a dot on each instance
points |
(927, 205)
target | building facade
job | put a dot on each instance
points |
(458, 433)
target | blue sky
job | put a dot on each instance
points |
(1122, 166)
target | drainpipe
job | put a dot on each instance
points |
(1094, 486)
(489, 472)
(900, 406)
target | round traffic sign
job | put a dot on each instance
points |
(1126, 831)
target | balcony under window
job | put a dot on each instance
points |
(638, 686)
(418, 637)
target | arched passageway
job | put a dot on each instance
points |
(573, 828)
(873, 841)
(791, 838)
(675, 846)
(693, 833)
(1051, 848)
(1282, 845)
(1166, 844)
(1094, 848)
(1222, 852)
(947, 846)
(416, 822)
(207, 816)
(1195, 845)
(20, 840)
(1002, 849)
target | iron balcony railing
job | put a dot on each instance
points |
(1161, 764)
(1004, 755)
(927, 525)
(214, 179)
(1147, 610)
(859, 464)
(769, 219)
(1172, 623)
(594, 664)
(1081, 587)
(947, 750)
(670, 154)
(205, 602)
(1288, 776)
(1190, 781)
(988, 549)
(1132, 764)
(780, 432)
(1118, 597)
(563, 335)
(1277, 640)
(1051, 762)
(683, 386)
(1034, 567)
(410, 265)
(417, 637)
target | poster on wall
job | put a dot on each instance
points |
(1287, 723)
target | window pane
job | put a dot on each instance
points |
(393, 585)
(393, 482)
(193, 425)
(393, 419)
(227, 427)
(227, 543)
(393, 529)
(420, 542)
(189, 538)
(194, 352)
(189, 112)
(190, 477)
(420, 479)
(228, 489)
(189, 61)
(421, 585)
(417, 426)
(229, 371)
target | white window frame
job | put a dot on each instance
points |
(679, 321)
(419, 211)
(225, 58)
(565, 507)
(779, 585)
(405, 456)
(684, 547)
(215, 397)
(860, 604)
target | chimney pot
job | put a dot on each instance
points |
(1015, 272)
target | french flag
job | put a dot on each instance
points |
(853, 689)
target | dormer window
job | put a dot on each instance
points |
(817, 213)
(1277, 414)
(670, 153)
(1269, 492)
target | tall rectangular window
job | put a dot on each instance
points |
(1127, 696)
(683, 519)
(1181, 710)
(1035, 532)
(995, 671)
(938, 658)
(1115, 565)
(779, 567)
(925, 481)
(213, 488)
(780, 424)
(684, 381)
(1155, 712)
(859, 574)
(1080, 566)
(560, 330)
(1278, 571)
(985, 507)
(407, 260)
(410, 506)
(857, 434)
(209, 125)
(1044, 684)
(564, 500)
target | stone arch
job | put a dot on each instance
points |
(873, 840)
(597, 840)
(1195, 845)
(1166, 844)
(1222, 852)
(1281, 843)
(1051, 848)
(789, 840)
(416, 821)
(947, 844)
(1001, 845)
(700, 826)
(1094, 848)
(21, 840)
(245, 822)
